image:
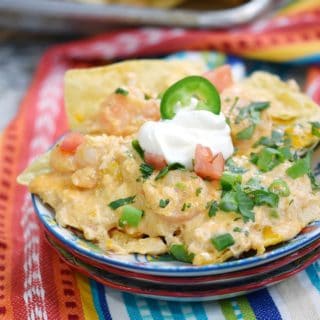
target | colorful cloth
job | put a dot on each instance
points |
(34, 282)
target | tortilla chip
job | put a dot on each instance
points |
(290, 108)
(86, 89)
(38, 167)
(292, 104)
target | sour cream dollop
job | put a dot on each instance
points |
(176, 139)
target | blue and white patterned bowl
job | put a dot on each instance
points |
(204, 292)
(145, 264)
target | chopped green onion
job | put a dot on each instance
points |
(163, 203)
(223, 241)
(229, 180)
(280, 188)
(315, 128)
(228, 202)
(237, 229)
(246, 133)
(299, 168)
(121, 91)
(121, 202)
(130, 216)
(213, 208)
(173, 166)
(136, 146)
(263, 197)
(146, 170)
(180, 252)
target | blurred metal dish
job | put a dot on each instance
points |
(70, 17)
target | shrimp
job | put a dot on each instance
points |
(122, 115)
(220, 77)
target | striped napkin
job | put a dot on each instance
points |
(34, 282)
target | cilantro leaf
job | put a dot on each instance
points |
(300, 167)
(213, 208)
(163, 203)
(263, 197)
(186, 206)
(198, 191)
(229, 202)
(229, 180)
(173, 166)
(253, 184)
(276, 140)
(246, 133)
(245, 205)
(136, 146)
(267, 159)
(122, 91)
(146, 170)
(315, 184)
(232, 167)
(121, 202)
(252, 111)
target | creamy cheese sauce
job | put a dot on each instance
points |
(81, 185)
(176, 139)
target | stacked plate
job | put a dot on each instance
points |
(163, 278)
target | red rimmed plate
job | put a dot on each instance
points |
(200, 293)
(230, 277)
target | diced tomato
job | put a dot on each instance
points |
(218, 165)
(221, 77)
(206, 165)
(71, 142)
(155, 160)
(203, 153)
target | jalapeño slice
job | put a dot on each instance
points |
(180, 93)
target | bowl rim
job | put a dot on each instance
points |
(180, 270)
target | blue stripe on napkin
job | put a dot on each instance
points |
(99, 300)
(131, 305)
(154, 309)
(176, 310)
(313, 276)
(263, 305)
